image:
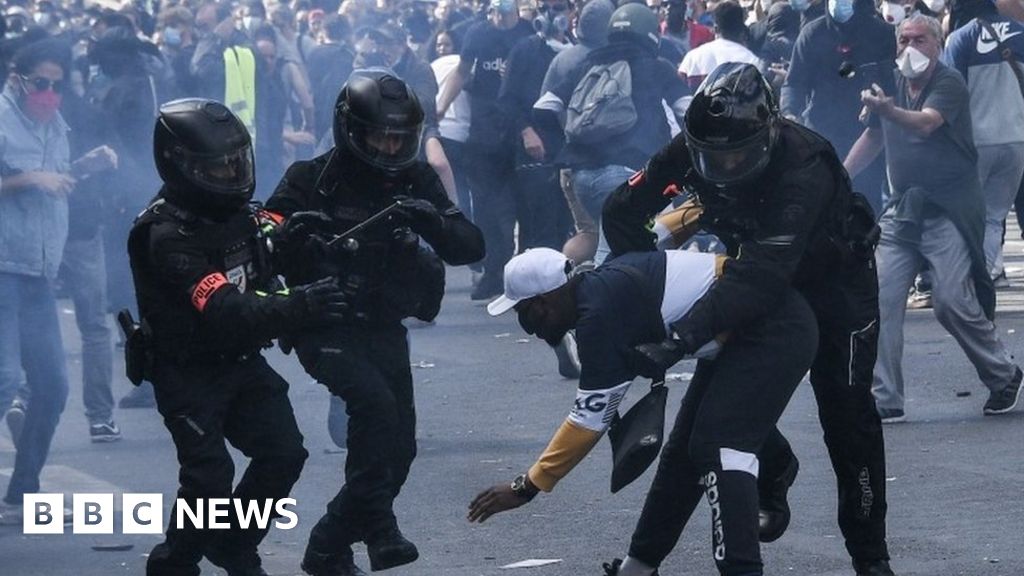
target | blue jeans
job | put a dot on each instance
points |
(593, 186)
(84, 272)
(30, 339)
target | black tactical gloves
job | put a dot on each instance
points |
(423, 216)
(321, 301)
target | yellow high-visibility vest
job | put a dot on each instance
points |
(240, 85)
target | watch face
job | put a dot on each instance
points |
(519, 484)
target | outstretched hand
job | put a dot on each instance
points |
(497, 498)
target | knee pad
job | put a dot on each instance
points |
(707, 457)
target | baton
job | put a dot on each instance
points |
(365, 223)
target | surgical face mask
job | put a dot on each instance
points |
(893, 13)
(251, 22)
(840, 10)
(172, 36)
(936, 6)
(800, 5)
(41, 105)
(912, 63)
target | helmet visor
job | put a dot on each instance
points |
(731, 163)
(385, 147)
(231, 173)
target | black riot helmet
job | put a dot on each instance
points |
(730, 125)
(204, 154)
(380, 120)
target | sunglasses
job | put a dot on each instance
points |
(41, 84)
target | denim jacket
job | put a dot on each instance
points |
(33, 223)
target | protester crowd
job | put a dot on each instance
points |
(505, 86)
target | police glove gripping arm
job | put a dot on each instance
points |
(259, 317)
(293, 236)
(298, 243)
(323, 301)
(628, 212)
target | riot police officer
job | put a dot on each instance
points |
(776, 194)
(369, 201)
(201, 264)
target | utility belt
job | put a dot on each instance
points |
(142, 351)
(193, 357)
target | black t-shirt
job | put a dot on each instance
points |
(944, 160)
(618, 309)
(487, 48)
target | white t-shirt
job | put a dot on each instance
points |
(455, 124)
(688, 276)
(703, 59)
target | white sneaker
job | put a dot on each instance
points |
(10, 514)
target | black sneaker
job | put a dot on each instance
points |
(568, 356)
(388, 548)
(892, 415)
(104, 432)
(873, 568)
(343, 564)
(1006, 399)
(612, 569)
(140, 397)
(774, 514)
(919, 299)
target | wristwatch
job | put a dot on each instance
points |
(523, 488)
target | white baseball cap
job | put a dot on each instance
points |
(532, 273)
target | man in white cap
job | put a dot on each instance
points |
(739, 396)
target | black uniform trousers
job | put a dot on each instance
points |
(732, 406)
(542, 212)
(203, 404)
(492, 181)
(846, 306)
(367, 365)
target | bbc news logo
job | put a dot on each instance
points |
(144, 513)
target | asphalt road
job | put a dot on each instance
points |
(488, 402)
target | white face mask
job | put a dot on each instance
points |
(912, 63)
(936, 6)
(893, 13)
